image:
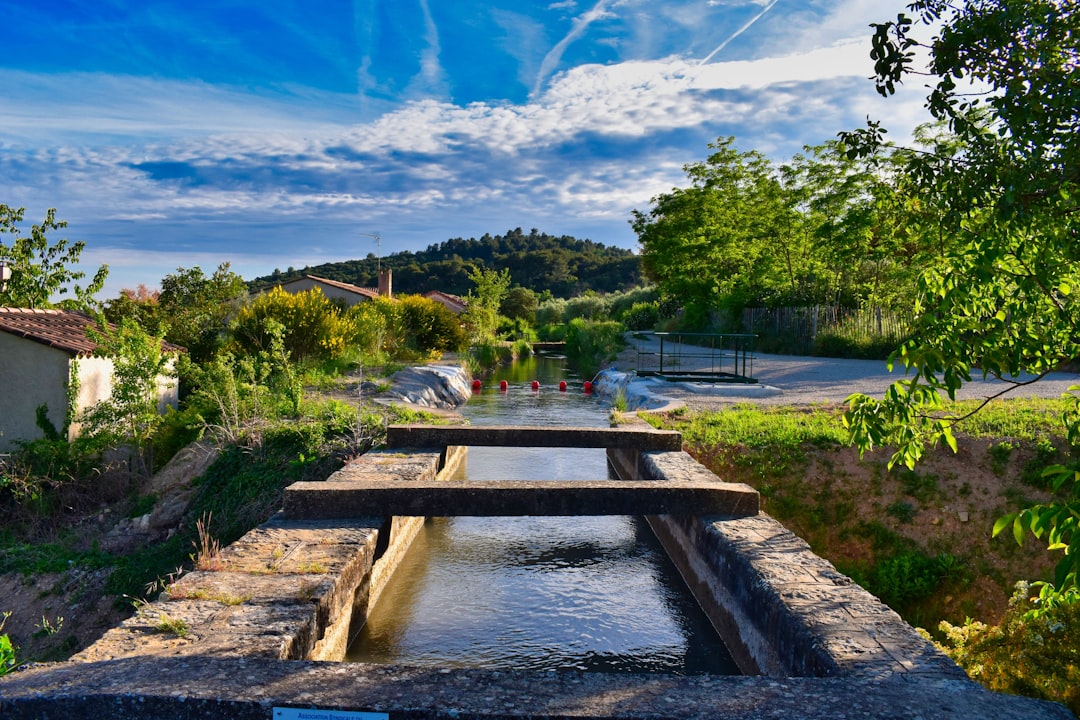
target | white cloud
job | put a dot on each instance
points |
(599, 11)
(207, 166)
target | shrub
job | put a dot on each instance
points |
(904, 579)
(314, 327)
(1034, 656)
(588, 307)
(373, 325)
(589, 344)
(430, 328)
(550, 312)
(621, 303)
(7, 650)
(642, 316)
(488, 354)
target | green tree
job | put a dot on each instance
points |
(131, 413)
(198, 308)
(140, 305)
(40, 270)
(489, 289)
(1002, 297)
(715, 244)
(853, 210)
(519, 304)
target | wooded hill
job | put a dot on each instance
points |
(564, 265)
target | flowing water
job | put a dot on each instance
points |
(539, 593)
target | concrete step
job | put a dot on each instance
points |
(431, 436)
(484, 498)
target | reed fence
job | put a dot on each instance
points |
(870, 330)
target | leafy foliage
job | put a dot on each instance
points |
(482, 314)
(428, 327)
(131, 413)
(1001, 192)
(590, 343)
(40, 270)
(197, 308)
(820, 230)
(7, 650)
(1037, 656)
(314, 327)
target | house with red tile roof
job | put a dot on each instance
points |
(453, 303)
(336, 290)
(42, 352)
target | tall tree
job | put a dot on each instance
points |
(40, 270)
(714, 245)
(482, 315)
(197, 308)
(1004, 296)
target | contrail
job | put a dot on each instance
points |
(430, 66)
(551, 60)
(739, 32)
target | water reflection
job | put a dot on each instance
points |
(539, 593)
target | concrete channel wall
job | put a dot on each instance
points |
(782, 610)
(263, 634)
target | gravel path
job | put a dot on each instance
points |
(797, 380)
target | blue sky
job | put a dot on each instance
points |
(275, 134)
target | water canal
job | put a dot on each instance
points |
(539, 593)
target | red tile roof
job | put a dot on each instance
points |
(61, 329)
(447, 299)
(366, 292)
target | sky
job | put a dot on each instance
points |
(275, 134)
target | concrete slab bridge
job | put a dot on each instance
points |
(264, 633)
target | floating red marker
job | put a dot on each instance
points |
(476, 385)
(588, 386)
(535, 384)
(502, 385)
(562, 386)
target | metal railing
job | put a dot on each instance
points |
(696, 357)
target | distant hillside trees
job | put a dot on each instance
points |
(559, 266)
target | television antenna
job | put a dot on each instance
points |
(378, 242)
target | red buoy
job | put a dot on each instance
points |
(562, 386)
(535, 384)
(588, 386)
(502, 385)
(476, 385)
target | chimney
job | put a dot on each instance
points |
(385, 280)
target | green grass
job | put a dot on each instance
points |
(1023, 419)
(769, 439)
(762, 426)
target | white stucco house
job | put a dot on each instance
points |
(39, 351)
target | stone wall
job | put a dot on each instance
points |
(292, 593)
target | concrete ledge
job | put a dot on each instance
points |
(247, 689)
(382, 496)
(281, 589)
(791, 611)
(432, 436)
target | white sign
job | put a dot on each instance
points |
(313, 714)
